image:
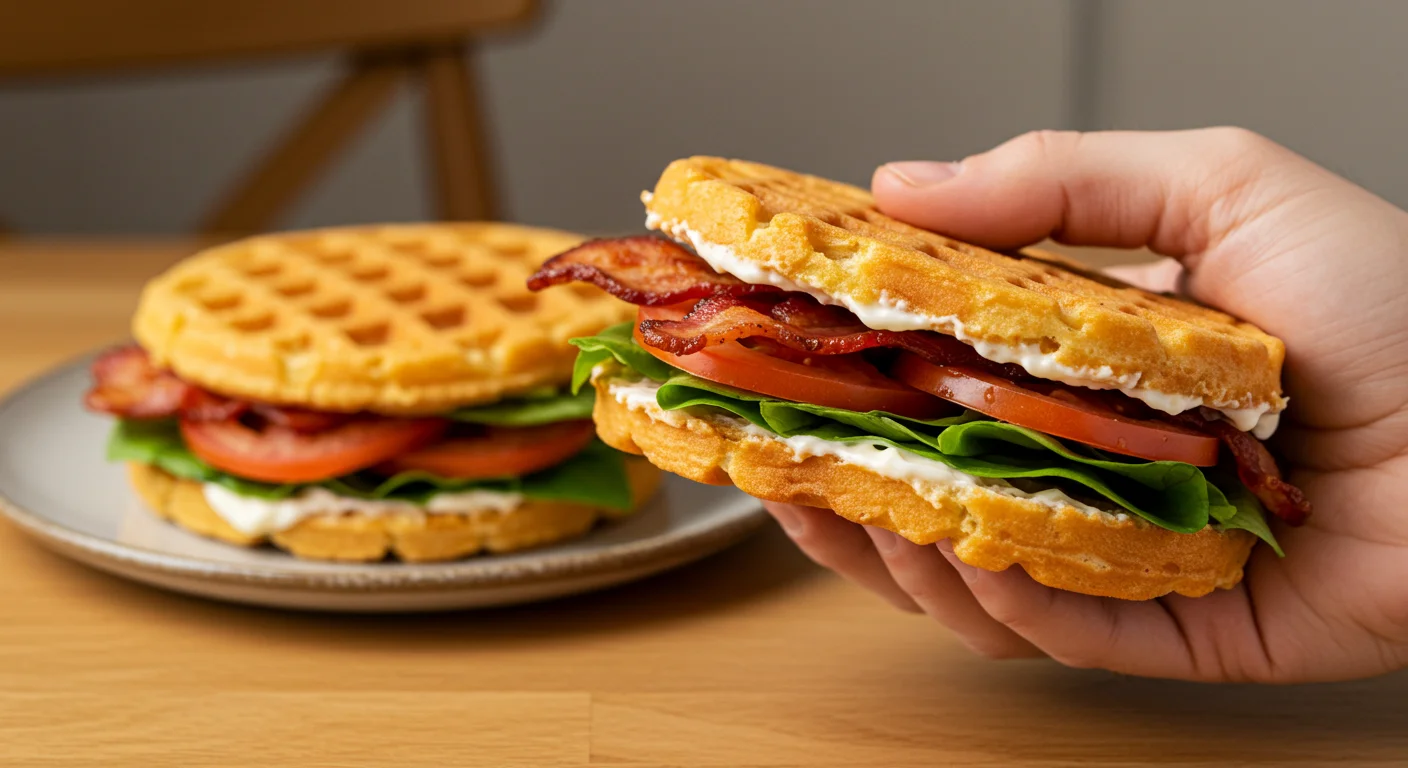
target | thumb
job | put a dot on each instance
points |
(1175, 192)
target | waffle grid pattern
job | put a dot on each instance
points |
(393, 319)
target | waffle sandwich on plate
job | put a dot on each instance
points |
(796, 342)
(354, 394)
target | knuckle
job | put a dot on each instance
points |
(1236, 141)
(1046, 143)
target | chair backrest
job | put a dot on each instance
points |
(39, 37)
(385, 41)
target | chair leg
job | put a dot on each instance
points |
(286, 171)
(459, 155)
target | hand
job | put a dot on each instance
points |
(1265, 235)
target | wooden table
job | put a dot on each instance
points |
(753, 657)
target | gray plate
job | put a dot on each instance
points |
(55, 484)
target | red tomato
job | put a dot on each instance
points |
(835, 381)
(1062, 413)
(281, 455)
(499, 452)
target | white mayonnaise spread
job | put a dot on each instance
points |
(926, 476)
(890, 314)
(258, 517)
(640, 396)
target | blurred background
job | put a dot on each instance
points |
(582, 102)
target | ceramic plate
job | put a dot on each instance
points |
(55, 484)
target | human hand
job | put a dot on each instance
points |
(1263, 234)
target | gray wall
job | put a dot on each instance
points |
(589, 107)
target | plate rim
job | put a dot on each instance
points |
(451, 575)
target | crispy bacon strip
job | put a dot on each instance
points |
(799, 322)
(201, 405)
(126, 384)
(644, 270)
(1257, 470)
(299, 420)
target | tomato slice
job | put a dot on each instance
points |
(281, 455)
(498, 452)
(1062, 413)
(836, 381)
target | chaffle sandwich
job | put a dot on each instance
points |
(358, 393)
(793, 340)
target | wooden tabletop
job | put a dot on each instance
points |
(751, 658)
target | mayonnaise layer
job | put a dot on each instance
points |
(892, 314)
(930, 479)
(261, 517)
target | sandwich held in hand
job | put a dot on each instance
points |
(353, 394)
(796, 342)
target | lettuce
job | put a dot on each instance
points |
(544, 407)
(596, 475)
(159, 444)
(1172, 495)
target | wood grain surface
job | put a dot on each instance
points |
(750, 658)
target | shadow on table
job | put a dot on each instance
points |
(1071, 715)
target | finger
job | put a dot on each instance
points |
(1137, 638)
(1162, 276)
(1175, 192)
(924, 574)
(842, 546)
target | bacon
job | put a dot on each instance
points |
(298, 419)
(1257, 470)
(127, 384)
(644, 270)
(799, 322)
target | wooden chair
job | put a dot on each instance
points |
(386, 42)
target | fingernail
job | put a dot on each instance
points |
(885, 541)
(923, 173)
(791, 522)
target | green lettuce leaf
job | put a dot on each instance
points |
(1169, 494)
(1243, 509)
(159, 444)
(615, 343)
(596, 475)
(546, 407)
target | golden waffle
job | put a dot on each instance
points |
(1065, 548)
(829, 238)
(413, 538)
(404, 319)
